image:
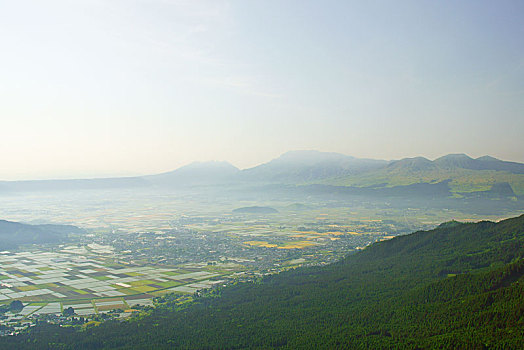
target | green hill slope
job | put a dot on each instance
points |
(461, 181)
(14, 234)
(458, 286)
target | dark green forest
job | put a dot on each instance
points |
(457, 286)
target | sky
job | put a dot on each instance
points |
(94, 88)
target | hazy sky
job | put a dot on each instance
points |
(103, 87)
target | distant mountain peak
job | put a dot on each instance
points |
(457, 160)
(419, 159)
(463, 161)
(455, 156)
(415, 164)
(307, 166)
(210, 172)
(488, 159)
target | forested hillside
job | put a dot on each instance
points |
(459, 285)
(14, 234)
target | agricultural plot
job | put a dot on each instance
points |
(48, 282)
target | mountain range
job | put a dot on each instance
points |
(459, 174)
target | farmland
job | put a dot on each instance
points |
(48, 282)
(138, 246)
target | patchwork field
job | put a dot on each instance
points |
(48, 282)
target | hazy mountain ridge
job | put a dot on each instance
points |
(255, 210)
(197, 173)
(465, 176)
(309, 166)
(481, 163)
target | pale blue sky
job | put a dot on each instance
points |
(103, 88)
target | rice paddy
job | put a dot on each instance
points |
(48, 282)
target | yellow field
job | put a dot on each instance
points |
(134, 274)
(127, 291)
(260, 244)
(313, 234)
(27, 288)
(335, 233)
(140, 283)
(307, 232)
(144, 289)
(297, 245)
(305, 236)
(288, 245)
(80, 291)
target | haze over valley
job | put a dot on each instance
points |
(208, 225)
(268, 174)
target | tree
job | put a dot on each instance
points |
(16, 306)
(69, 311)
